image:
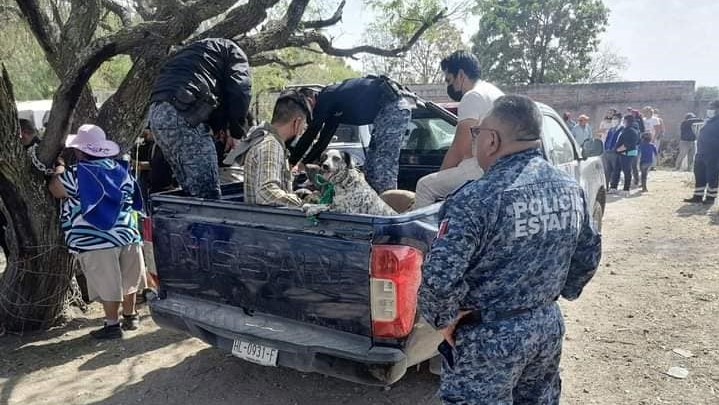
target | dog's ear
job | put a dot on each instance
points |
(348, 160)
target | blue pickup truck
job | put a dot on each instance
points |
(337, 296)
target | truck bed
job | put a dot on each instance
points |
(228, 270)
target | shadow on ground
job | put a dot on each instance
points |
(690, 209)
(22, 355)
(212, 377)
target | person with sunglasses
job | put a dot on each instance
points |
(508, 245)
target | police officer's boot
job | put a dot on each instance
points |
(697, 199)
(709, 200)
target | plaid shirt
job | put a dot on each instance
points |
(268, 180)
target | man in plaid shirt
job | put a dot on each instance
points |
(268, 179)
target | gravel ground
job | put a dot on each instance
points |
(657, 290)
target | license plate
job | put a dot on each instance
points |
(262, 355)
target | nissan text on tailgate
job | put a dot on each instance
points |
(337, 296)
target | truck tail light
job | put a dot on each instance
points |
(395, 276)
(147, 229)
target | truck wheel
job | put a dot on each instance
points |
(597, 215)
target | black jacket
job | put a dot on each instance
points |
(353, 102)
(208, 80)
(686, 132)
(629, 138)
(708, 141)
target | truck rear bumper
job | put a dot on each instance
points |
(301, 346)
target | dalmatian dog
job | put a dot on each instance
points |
(352, 194)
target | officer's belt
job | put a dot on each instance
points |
(478, 316)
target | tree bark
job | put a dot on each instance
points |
(35, 282)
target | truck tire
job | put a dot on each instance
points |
(597, 215)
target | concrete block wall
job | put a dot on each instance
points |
(673, 98)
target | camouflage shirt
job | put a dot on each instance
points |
(515, 239)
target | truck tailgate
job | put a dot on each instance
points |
(266, 259)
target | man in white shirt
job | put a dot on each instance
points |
(651, 123)
(462, 74)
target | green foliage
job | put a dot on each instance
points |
(538, 41)
(397, 22)
(270, 78)
(32, 77)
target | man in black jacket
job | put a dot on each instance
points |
(205, 86)
(626, 148)
(687, 141)
(706, 165)
(360, 101)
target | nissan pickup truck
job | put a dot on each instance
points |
(337, 295)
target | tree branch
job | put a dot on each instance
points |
(239, 20)
(56, 14)
(267, 59)
(46, 32)
(79, 28)
(276, 33)
(89, 59)
(325, 43)
(317, 24)
(119, 10)
(143, 9)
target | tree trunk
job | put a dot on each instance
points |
(38, 273)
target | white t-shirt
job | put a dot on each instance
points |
(649, 124)
(476, 103)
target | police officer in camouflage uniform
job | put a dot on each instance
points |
(508, 245)
(360, 101)
(204, 87)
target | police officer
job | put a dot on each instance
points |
(508, 245)
(205, 86)
(360, 101)
(706, 163)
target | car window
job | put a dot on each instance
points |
(559, 147)
(428, 134)
(346, 133)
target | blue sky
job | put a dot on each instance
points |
(662, 39)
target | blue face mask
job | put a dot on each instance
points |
(711, 114)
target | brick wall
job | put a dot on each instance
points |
(673, 98)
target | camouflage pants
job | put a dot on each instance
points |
(512, 361)
(382, 162)
(190, 151)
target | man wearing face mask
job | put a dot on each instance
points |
(462, 73)
(706, 162)
(508, 245)
(268, 179)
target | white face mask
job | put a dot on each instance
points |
(711, 113)
(615, 123)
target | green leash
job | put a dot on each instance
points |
(327, 195)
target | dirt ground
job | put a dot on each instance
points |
(657, 290)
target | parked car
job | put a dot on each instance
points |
(337, 296)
